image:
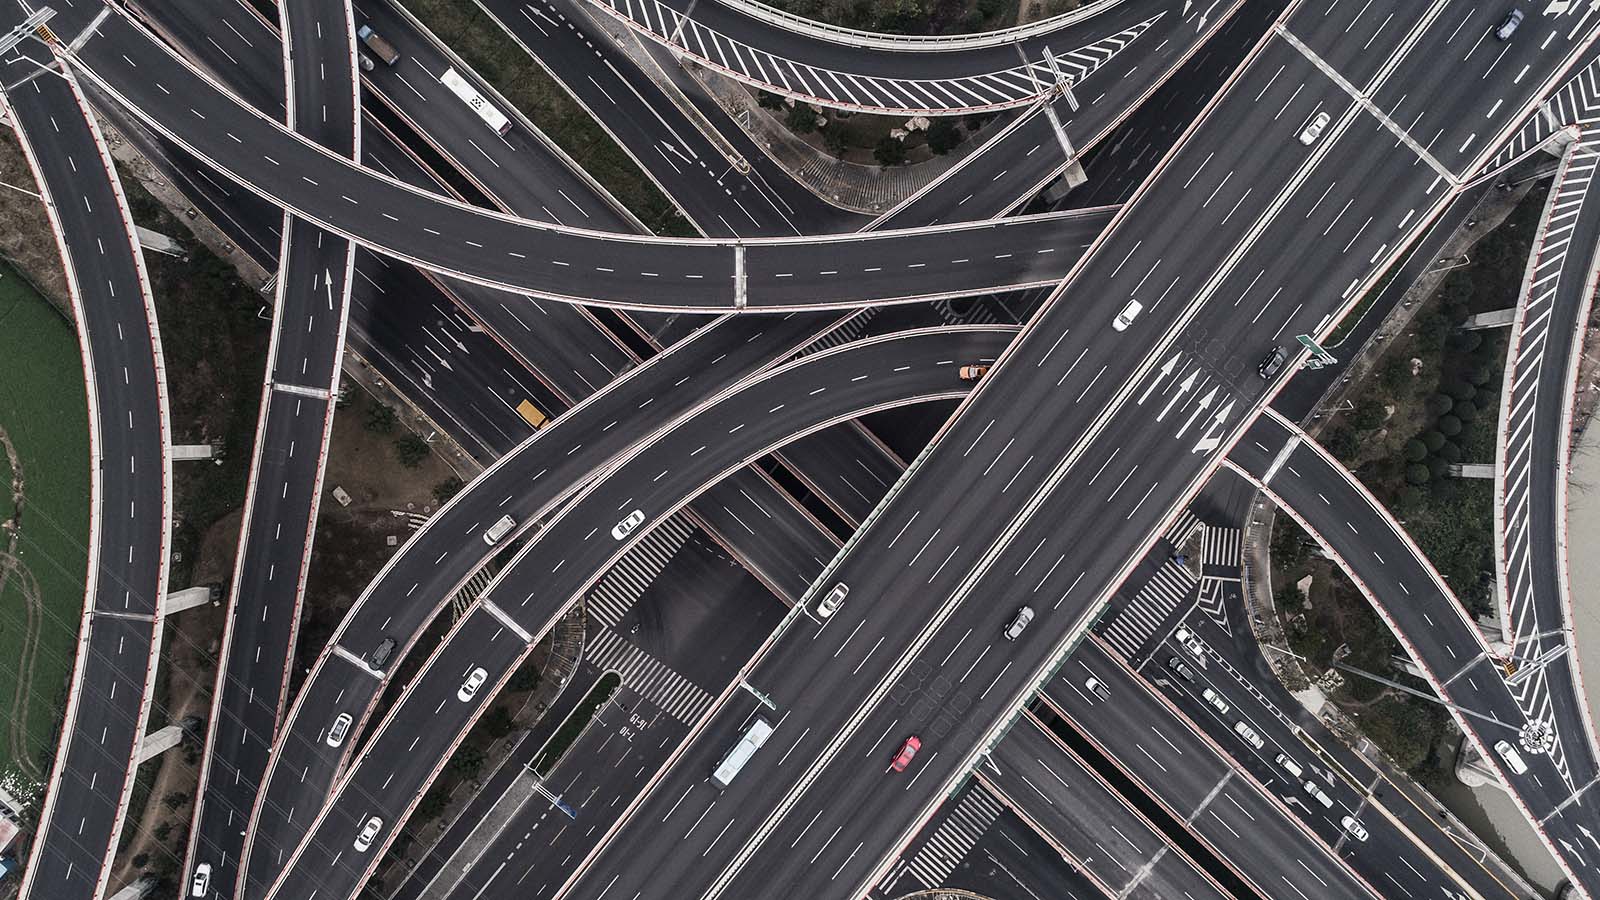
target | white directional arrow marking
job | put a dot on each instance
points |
(1210, 440)
(1590, 835)
(1571, 849)
(327, 279)
(1200, 408)
(1182, 389)
(1165, 371)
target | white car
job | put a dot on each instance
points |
(626, 526)
(200, 885)
(340, 728)
(1313, 129)
(1128, 314)
(1192, 644)
(368, 833)
(830, 603)
(475, 680)
(1216, 701)
(1354, 826)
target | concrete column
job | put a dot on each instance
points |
(154, 743)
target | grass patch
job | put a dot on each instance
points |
(478, 39)
(44, 415)
(576, 722)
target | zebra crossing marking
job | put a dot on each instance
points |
(624, 583)
(1132, 628)
(648, 677)
(950, 843)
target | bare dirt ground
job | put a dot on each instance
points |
(27, 240)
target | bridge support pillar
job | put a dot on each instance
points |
(192, 451)
(155, 743)
(189, 598)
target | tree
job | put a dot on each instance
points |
(1439, 404)
(834, 140)
(1467, 341)
(411, 451)
(1450, 452)
(1465, 410)
(1449, 426)
(1417, 473)
(1368, 414)
(769, 100)
(1416, 451)
(380, 419)
(889, 152)
(943, 135)
(1434, 440)
(802, 119)
(1460, 389)
(446, 489)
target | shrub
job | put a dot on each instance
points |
(943, 136)
(381, 419)
(1450, 452)
(1433, 440)
(1416, 451)
(1449, 426)
(1396, 372)
(1368, 414)
(1439, 404)
(1460, 389)
(1481, 374)
(802, 119)
(834, 140)
(1465, 410)
(889, 152)
(1417, 473)
(1437, 468)
(446, 489)
(769, 100)
(411, 451)
(1467, 341)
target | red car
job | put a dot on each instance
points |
(908, 751)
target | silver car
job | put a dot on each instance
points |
(369, 832)
(1019, 623)
(830, 603)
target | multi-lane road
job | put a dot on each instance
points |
(1343, 136)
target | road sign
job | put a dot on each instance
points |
(1319, 356)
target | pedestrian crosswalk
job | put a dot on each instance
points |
(1132, 627)
(949, 844)
(851, 330)
(626, 581)
(650, 678)
(1180, 531)
(1220, 549)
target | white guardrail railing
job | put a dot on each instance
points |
(912, 43)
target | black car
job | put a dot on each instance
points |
(384, 651)
(1272, 364)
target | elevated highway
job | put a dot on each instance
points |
(119, 636)
(310, 314)
(1431, 624)
(560, 262)
(532, 593)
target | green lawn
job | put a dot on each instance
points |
(44, 415)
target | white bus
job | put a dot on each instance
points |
(469, 95)
(749, 743)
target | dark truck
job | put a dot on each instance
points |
(380, 48)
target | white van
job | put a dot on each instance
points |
(1511, 756)
(1289, 765)
(1315, 791)
(499, 530)
(1248, 735)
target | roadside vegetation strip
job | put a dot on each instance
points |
(477, 38)
(44, 416)
(577, 721)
